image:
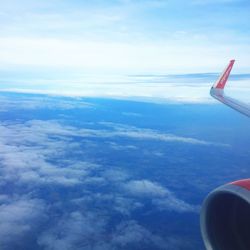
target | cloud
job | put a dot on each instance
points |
(118, 56)
(30, 102)
(116, 175)
(78, 231)
(145, 188)
(131, 233)
(75, 231)
(149, 134)
(41, 130)
(161, 197)
(116, 146)
(40, 146)
(145, 92)
(33, 149)
(3, 198)
(170, 89)
(63, 200)
(171, 203)
(19, 218)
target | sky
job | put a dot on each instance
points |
(123, 36)
(123, 48)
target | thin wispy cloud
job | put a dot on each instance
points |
(37, 129)
(148, 134)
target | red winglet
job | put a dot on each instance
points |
(243, 183)
(221, 82)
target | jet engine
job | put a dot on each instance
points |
(225, 217)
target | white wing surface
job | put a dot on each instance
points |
(217, 91)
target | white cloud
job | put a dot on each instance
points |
(33, 149)
(19, 218)
(116, 146)
(79, 230)
(171, 203)
(74, 231)
(116, 175)
(149, 134)
(115, 56)
(35, 130)
(161, 196)
(175, 89)
(132, 233)
(48, 102)
(145, 188)
(80, 197)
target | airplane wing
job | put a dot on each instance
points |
(217, 91)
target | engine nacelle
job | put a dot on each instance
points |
(225, 217)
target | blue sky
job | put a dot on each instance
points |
(123, 36)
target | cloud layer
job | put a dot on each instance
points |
(45, 184)
(74, 177)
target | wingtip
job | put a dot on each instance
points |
(221, 82)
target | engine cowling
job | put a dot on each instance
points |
(225, 217)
